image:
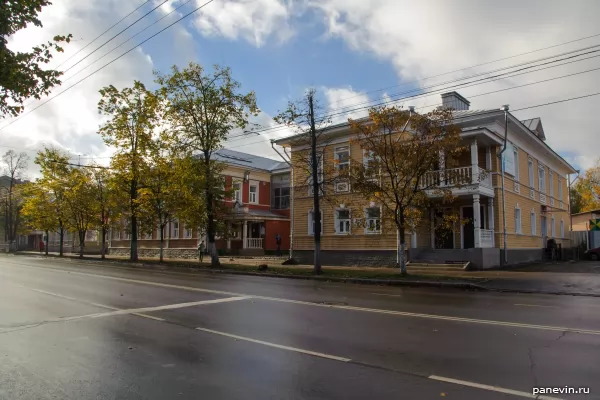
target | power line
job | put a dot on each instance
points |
(100, 35)
(123, 30)
(110, 62)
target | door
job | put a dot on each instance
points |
(444, 237)
(468, 229)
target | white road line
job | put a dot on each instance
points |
(351, 308)
(389, 295)
(492, 388)
(158, 308)
(533, 305)
(278, 346)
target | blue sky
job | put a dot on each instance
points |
(344, 48)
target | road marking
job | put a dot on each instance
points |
(278, 346)
(533, 305)
(389, 295)
(151, 309)
(351, 308)
(491, 388)
(88, 302)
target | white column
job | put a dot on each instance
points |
(488, 158)
(244, 233)
(432, 216)
(491, 220)
(477, 220)
(474, 162)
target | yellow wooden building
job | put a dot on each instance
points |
(535, 190)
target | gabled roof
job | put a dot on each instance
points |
(535, 126)
(248, 160)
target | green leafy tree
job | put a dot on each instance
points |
(104, 200)
(203, 107)
(81, 203)
(134, 114)
(21, 73)
(161, 197)
(54, 168)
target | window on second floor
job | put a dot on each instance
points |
(342, 159)
(253, 196)
(551, 181)
(237, 191)
(530, 165)
(516, 161)
(541, 179)
(281, 198)
(560, 189)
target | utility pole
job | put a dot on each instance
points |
(316, 185)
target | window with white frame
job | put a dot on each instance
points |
(530, 165)
(551, 180)
(158, 231)
(311, 222)
(560, 189)
(342, 159)
(187, 232)
(516, 161)
(370, 164)
(320, 175)
(541, 179)
(175, 229)
(342, 221)
(562, 228)
(552, 231)
(533, 223)
(237, 191)
(372, 220)
(253, 197)
(517, 219)
(148, 235)
(117, 234)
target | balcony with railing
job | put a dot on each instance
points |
(456, 177)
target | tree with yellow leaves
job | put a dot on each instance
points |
(81, 205)
(402, 147)
(585, 193)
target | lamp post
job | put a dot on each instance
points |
(504, 108)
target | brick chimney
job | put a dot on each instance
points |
(455, 101)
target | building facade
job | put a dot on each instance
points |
(260, 208)
(535, 193)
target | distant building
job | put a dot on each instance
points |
(260, 211)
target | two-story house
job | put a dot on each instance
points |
(535, 190)
(260, 211)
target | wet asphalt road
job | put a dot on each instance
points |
(72, 330)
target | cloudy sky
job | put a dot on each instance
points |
(352, 51)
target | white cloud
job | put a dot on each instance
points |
(71, 120)
(425, 38)
(342, 102)
(252, 20)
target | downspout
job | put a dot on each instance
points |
(288, 162)
(500, 155)
(571, 216)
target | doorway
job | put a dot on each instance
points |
(468, 228)
(443, 235)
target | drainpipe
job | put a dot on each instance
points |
(504, 255)
(287, 160)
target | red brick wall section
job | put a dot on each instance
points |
(272, 228)
(264, 193)
(245, 190)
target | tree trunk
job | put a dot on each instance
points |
(316, 188)
(162, 244)
(46, 242)
(62, 241)
(81, 243)
(103, 249)
(401, 246)
(133, 251)
(211, 226)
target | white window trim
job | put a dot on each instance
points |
(552, 227)
(560, 189)
(337, 220)
(366, 158)
(519, 226)
(551, 183)
(531, 171)
(174, 233)
(541, 179)
(237, 193)
(367, 230)
(187, 230)
(562, 229)
(340, 149)
(533, 223)
(118, 234)
(251, 185)
(311, 228)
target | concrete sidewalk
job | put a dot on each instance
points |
(581, 278)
